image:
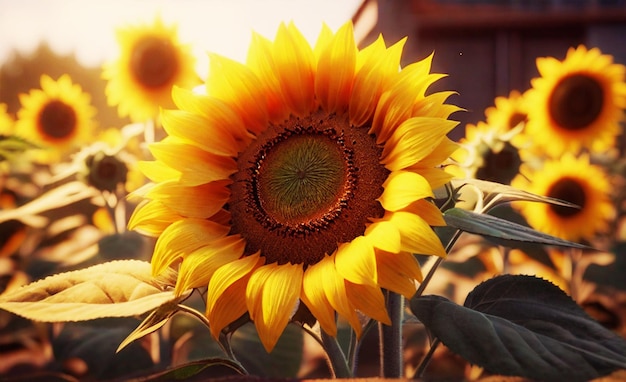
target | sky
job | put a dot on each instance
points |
(85, 28)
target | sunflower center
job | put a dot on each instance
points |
(576, 102)
(105, 171)
(501, 166)
(569, 190)
(153, 62)
(57, 120)
(304, 187)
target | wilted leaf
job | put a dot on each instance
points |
(155, 320)
(524, 326)
(115, 289)
(493, 192)
(500, 229)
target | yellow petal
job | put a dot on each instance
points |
(238, 86)
(181, 238)
(195, 165)
(415, 139)
(196, 129)
(383, 235)
(417, 236)
(375, 68)
(402, 188)
(261, 62)
(397, 272)
(199, 266)
(201, 201)
(272, 294)
(335, 289)
(152, 217)
(356, 261)
(217, 112)
(335, 71)
(315, 299)
(293, 57)
(226, 295)
(369, 300)
(428, 211)
(157, 171)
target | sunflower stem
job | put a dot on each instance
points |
(391, 337)
(338, 363)
(419, 372)
(432, 269)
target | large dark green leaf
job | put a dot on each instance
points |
(500, 230)
(524, 326)
(283, 362)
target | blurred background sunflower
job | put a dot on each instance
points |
(572, 179)
(151, 60)
(59, 117)
(577, 102)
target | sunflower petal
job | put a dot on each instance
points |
(417, 236)
(403, 188)
(226, 295)
(152, 217)
(238, 86)
(195, 165)
(397, 272)
(181, 238)
(384, 235)
(294, 62)
(334, 286)
(200, 265)
(368, 300)
(272, 294)
(201, 201)
(197, 130)
(315, 299)
(356, 261)
(335, 71)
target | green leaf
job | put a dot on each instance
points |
(204, 370)
(500, 229)
(523, 326)
(115, 289)
(283, 362)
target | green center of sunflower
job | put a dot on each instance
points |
(576, 102)
(57, 120)
(105, 172)
(569, 190)
(153, 62)
(304, 187)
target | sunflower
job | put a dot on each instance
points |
(150, 62)
(59, 117)
(577, 102)
(574, 180)
(302, 180)
(487, 153)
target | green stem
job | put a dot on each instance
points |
(432, 269)
(338, 363)
(391, 337)
(426, 360)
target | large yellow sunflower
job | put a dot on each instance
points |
(59, 117)
(574, 180)
(6, 121)
(150, 62)
(302, 179)
(577, 102)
